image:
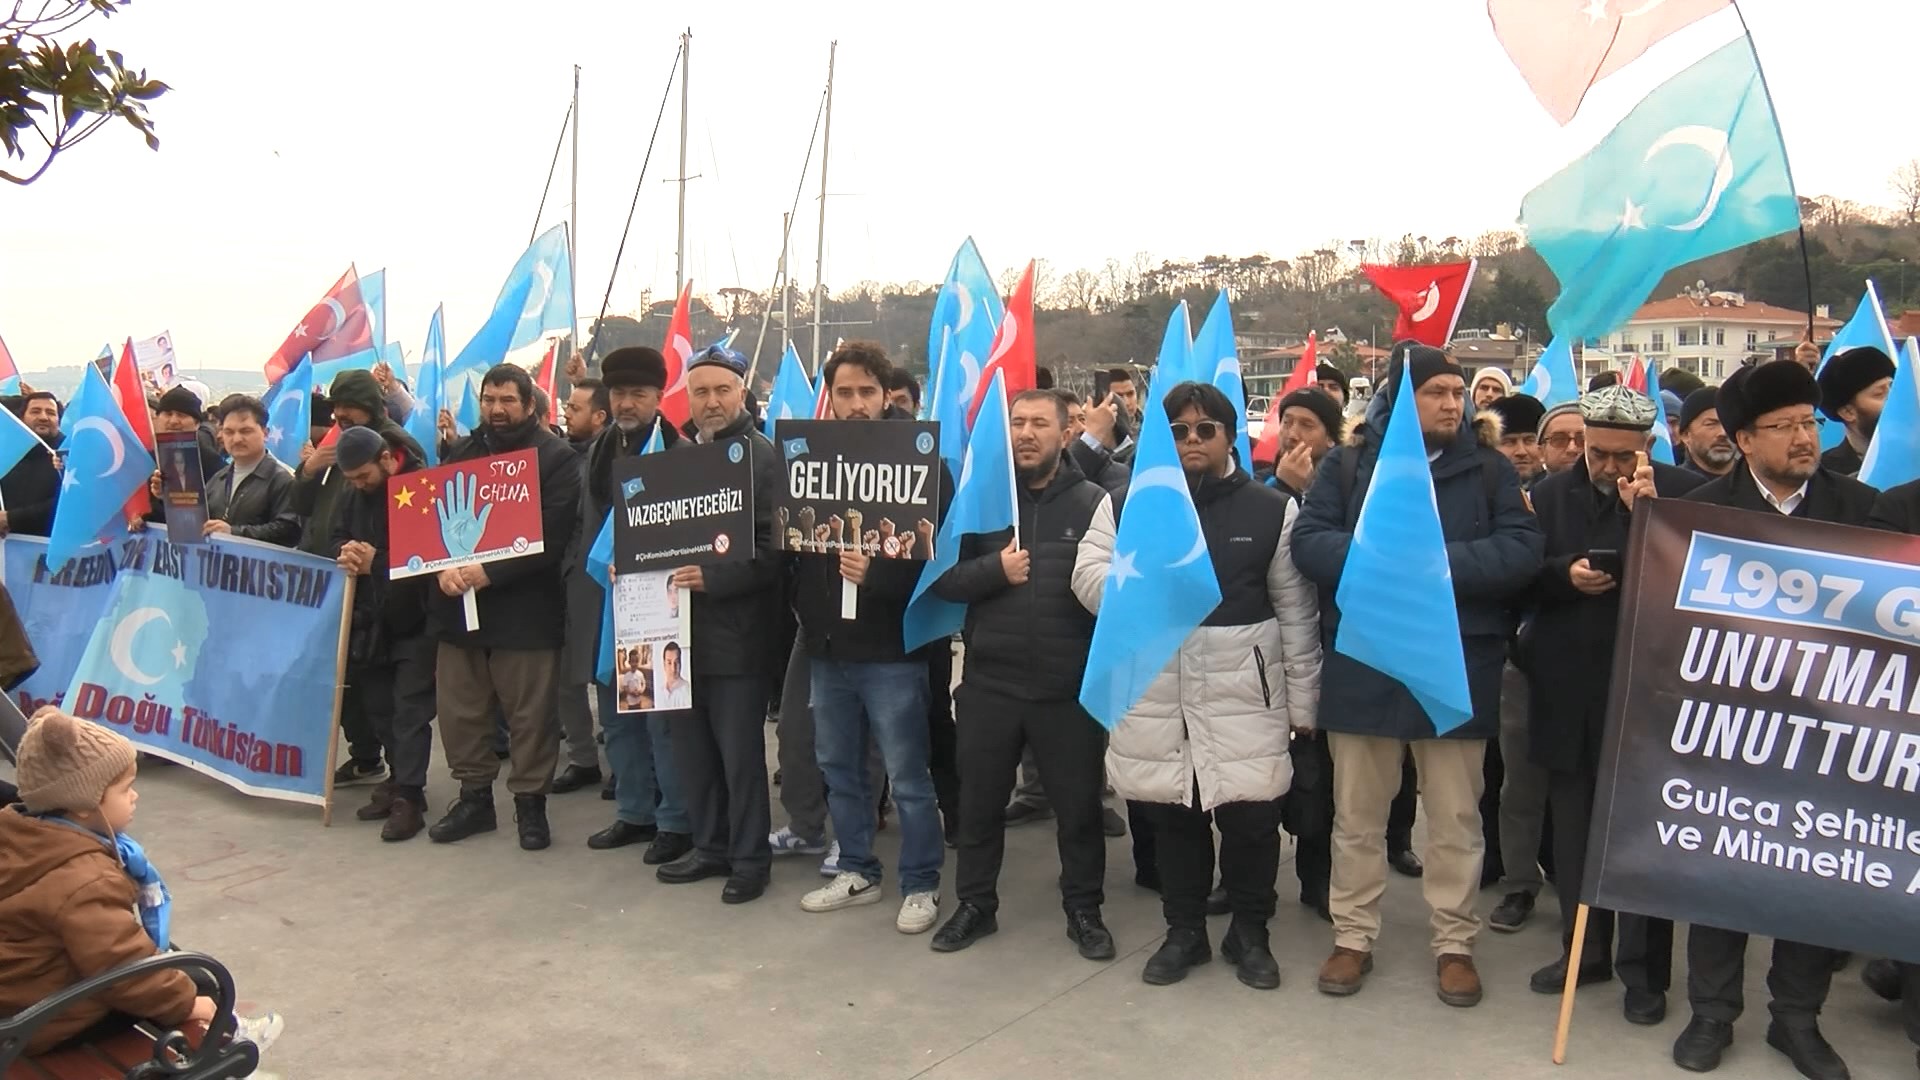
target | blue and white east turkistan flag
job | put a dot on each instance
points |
(969, 307)
(535, 301)
(1160, 585)
(948, 406)
(429, 393)
(290, 414)
(1662, 433)
(1175, 362)
(1866, 329)
(983, 502)
(792, 395)
(1216, 358)
(1893, 454)
(1552, 380)
(1397, 609)
(105, 465)
(1697, 168)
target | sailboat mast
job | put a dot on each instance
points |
(573, 219)
(786, 290)
(680, 254)
(820, 250)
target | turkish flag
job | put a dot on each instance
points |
(1429, 298)
(132, 399)
(336, 327)
(543, 377)
(678, 350)
(1012, 354)
(1633, 374)
(1563, 47)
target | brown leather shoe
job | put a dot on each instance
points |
(404, 820)
(1345, 971)
(380, 805)
(1459, 981)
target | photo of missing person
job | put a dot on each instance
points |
(673, 689)
(633, 674)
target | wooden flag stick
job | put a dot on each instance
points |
(339, 692)
(1573, 980)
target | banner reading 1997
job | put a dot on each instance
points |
(1763, 743)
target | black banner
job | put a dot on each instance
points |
(691, 506)
(1763, 740)
(864, 485)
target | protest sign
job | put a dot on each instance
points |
(652, 643)
(477, 511)
(156, 360)
(692, 507)
(182, 485)
(858, 485)
(1763, 737)
(125, 633)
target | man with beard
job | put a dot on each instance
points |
(1562, 437)
(31, 489)
(648, 804)
(1490, 384)
(1311, 425)
(390, 658)
(1853, 390)
(509, 660)
(1710, 453)
(1770, 411)
(1566, 649)
(587, 412)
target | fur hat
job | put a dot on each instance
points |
(1700, 401)
(1519, 413)
(1847, 374)
(67, 763)
(1320, 404)
(635, 365)
(1750, 393)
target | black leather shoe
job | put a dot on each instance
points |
(740, 888)
(692, 867)
(968, 925)
(1808, 1050)
(1699, 1047)
(530, 814)
(1883, 978)
(1184, 949)
(1218, 903)
(1085, 929)
(666, 847)
(1552, 979)
(574, 777)
(1245, 947)
(472, 815)
(1644, 1007)
(1406, 862)
(619, 835)
(606, 789)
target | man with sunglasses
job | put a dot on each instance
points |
(1769, 410)
(1566, 650)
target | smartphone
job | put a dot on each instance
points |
(1606, 561)
(1102, 386)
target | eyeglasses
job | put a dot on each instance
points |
(1577, 440)
(1206, 430)
(1810, 426)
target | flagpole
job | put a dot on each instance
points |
(573, 238)
(820, 247)
(680, 248)
(1806, 263)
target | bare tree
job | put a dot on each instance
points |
(1079, 291)
(1906, 184)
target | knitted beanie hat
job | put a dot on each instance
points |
(67, 763)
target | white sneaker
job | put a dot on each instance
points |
(845, 890)
(830, 866)
(918, 912)
(788, 842)
(260, 1030)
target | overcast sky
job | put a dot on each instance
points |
(416, 135)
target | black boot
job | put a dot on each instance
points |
(1184, 948)
(530, 813)
(473, 814)
(1245, 946)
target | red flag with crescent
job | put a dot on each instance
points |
(1013, 352)
(1633, 374)
(132, 399)
(544, 376)
(1429, 298)
(678, 351)
(336, 327)
(1563, 47)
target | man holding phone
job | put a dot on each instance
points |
(1566, 651)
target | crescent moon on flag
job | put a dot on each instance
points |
(121, 644)
(339, 317)
(971, 367)
(543, 276)
(1172, 478)
(1010, 334)
(94, 423)
(1228, 365)
(1543, 384)
(966, 305)
(1430, 305)
(1713, 142)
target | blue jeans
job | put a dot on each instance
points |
(640, 753)
(890, 702)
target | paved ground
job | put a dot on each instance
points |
(420, 961)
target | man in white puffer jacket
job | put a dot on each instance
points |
(1208, 742)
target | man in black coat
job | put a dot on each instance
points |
(391, 656)
(720, 747)
(1566, 651)
(252, 495)
(1770, 411)
(1027, 638)
(512, 658)
(31, 489)
(1853, 390)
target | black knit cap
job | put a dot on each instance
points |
(635, 365)
(1848, 373)
(1519, 414)
(1702, 400)
(1319, 403)
(180, 400)
(1326, 372)
(1750, 393)
(1424, 362)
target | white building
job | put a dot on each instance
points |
(1711, 333)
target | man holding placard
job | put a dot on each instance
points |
(503, 646)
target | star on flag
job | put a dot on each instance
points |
(404, 497)
(1122, 569)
